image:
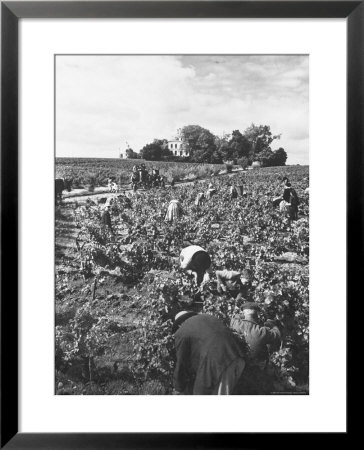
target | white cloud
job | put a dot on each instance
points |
(104, 101)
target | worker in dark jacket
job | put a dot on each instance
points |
(241, 187)
(290, 197)
(261, 340)
(256, 336)
(210, 359)
(106, 218)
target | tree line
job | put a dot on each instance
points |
(254, 144)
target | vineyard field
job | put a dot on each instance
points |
(117, 291)
(82, 170)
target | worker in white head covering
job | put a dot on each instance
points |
(174, 211)
(194, 259)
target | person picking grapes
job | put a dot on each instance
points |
(290, 196)
(106, 218)
(210, 191)
(291, 200)
(261, 340)
(233, 283)
(196, 261)
(233, 192)
(174, 211)
(199, 198)
(258, 337)
(209, 358)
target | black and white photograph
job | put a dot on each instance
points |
(181, 224)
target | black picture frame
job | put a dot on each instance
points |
(11, 12)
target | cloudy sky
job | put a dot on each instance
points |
(102, 102)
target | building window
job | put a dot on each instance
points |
(180, 153)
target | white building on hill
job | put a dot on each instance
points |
(177, 148)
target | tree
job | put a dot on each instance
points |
(151, 152)
(239, 146)
(260, 138)
(200, 143)
(163, 143)
(221, 140)
(265, 157)
(280, 157)
(156, 150)
(268, 158)
(220, 153)
(190, 134)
